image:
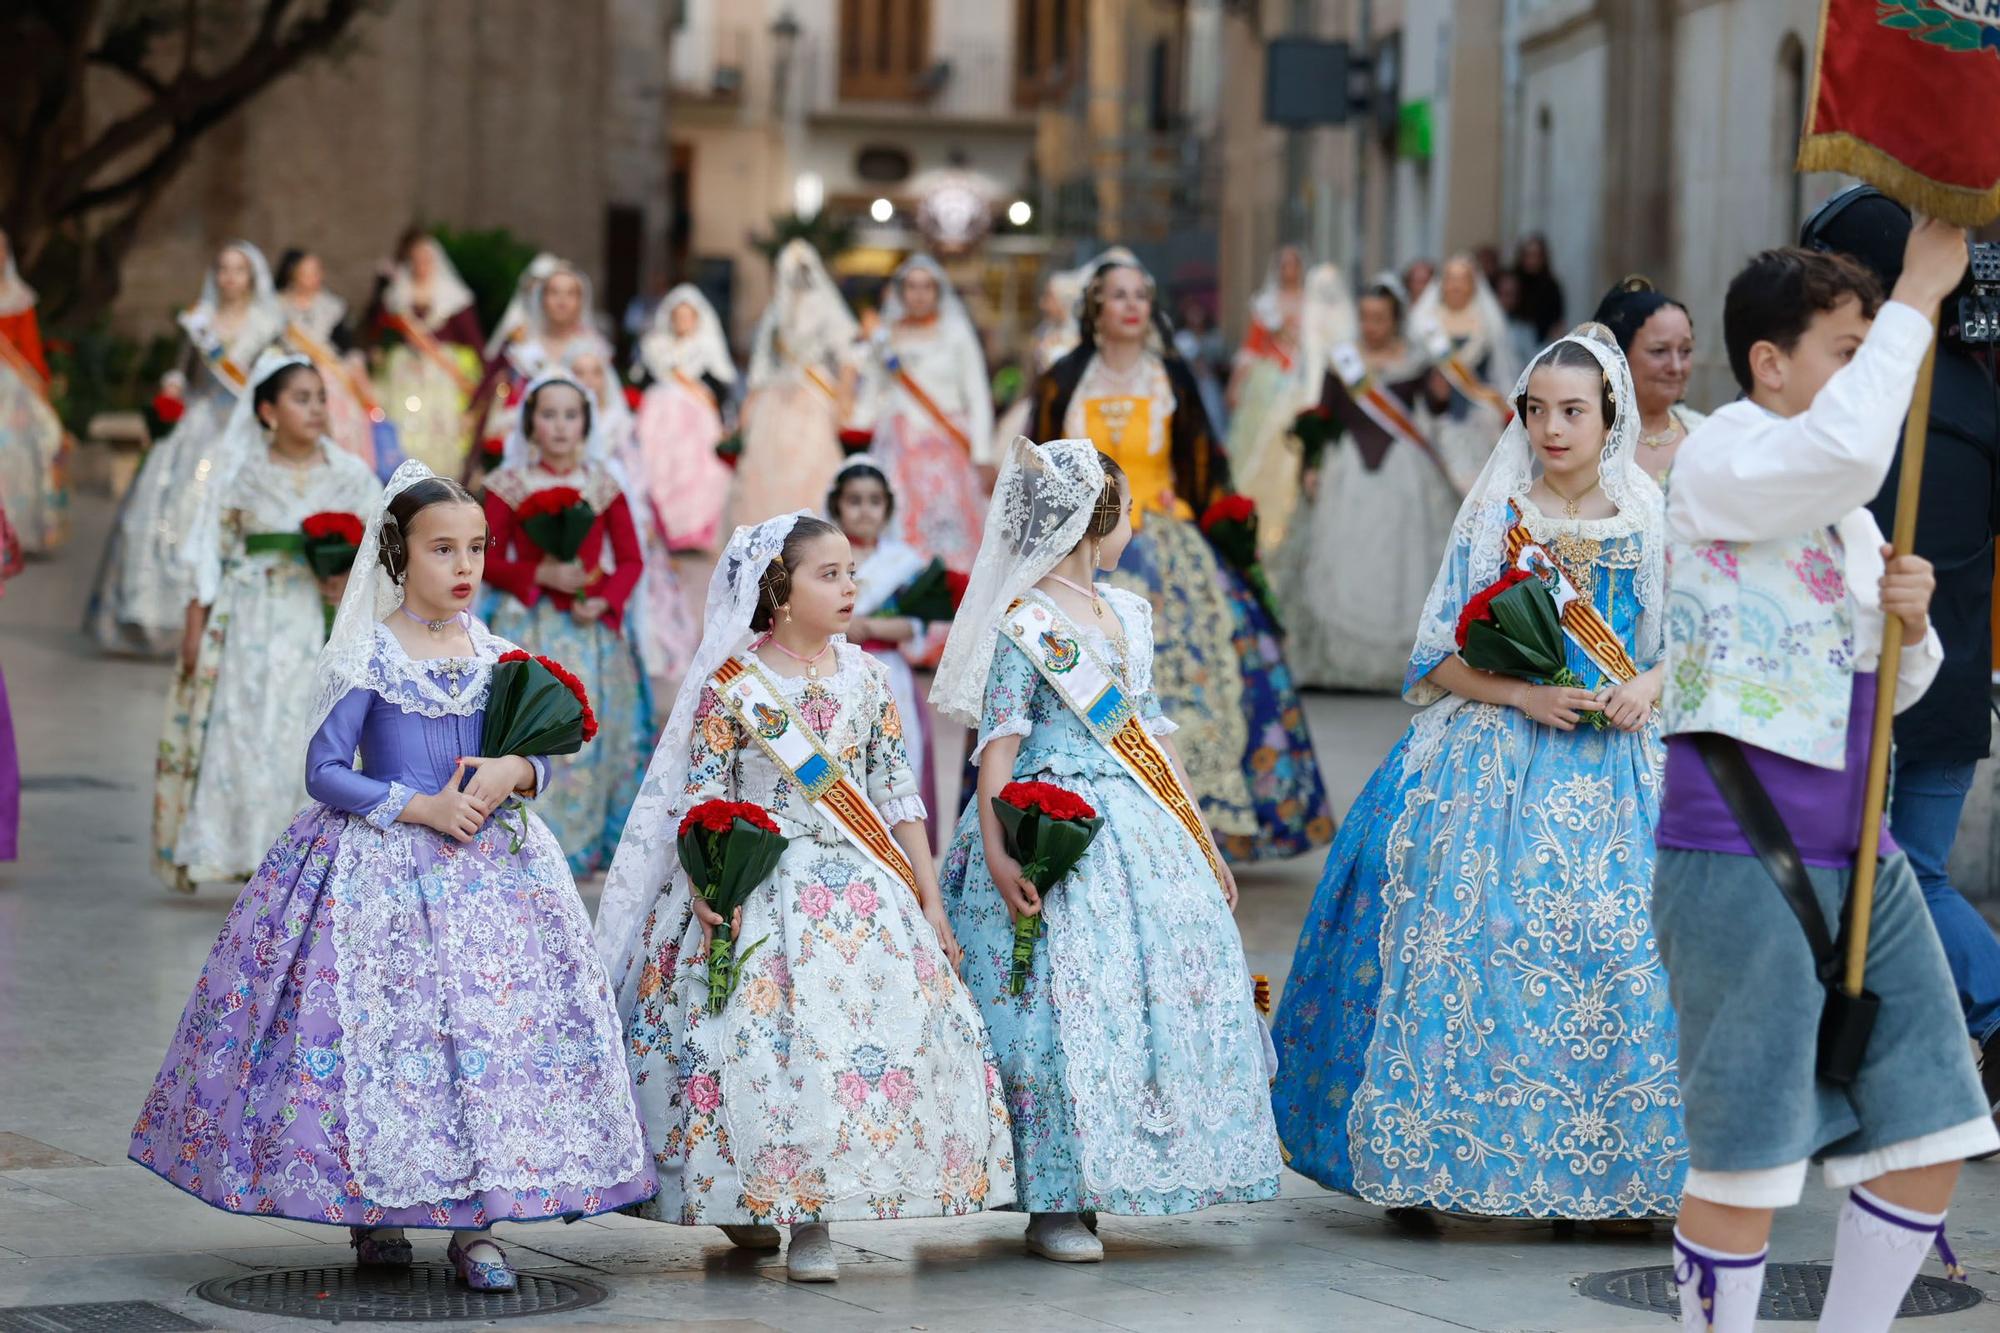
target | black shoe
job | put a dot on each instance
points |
(1989, 1079)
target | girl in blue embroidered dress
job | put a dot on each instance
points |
(1477, 1019)
(1133, 1061)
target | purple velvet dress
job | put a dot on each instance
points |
(394, 1029)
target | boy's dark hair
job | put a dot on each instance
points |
(1780, 292)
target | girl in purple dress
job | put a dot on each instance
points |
(404, 1022)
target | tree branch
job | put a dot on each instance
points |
(131, 69)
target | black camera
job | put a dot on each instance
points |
(1979, 301)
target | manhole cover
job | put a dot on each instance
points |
(95, 1317)
(421, 1292)
(1791, 1291)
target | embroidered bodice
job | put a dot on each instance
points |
(852, 713)
(1129, 417)
(1020, 703)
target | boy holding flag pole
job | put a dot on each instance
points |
(1771, 842)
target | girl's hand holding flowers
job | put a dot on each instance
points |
(1021, 896)
(494, 780)
(1630, 706)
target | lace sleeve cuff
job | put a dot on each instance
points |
(1161, 726)
(1018, 725)
(541, 767)
(389, 807)
(903, 810)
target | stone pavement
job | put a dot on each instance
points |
(96, 961)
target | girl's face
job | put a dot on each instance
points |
(1662, 354)
(423, 261)
(562, 299)
(1054, 308)
(1564, 414)
(862, 509)
(447, 558)
(590, 372)
(556, 427)
(233, 275)
(1113, 543)
(1126, 307)
(1417, 277)
(1459, 283)
(1291, 266)
(308, 276)
(297, 418)
(1378, 322)
(684, 321)
(920, 294)
(823, 588)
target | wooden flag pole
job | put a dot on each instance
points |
(1909, 488)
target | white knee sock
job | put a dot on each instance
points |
(1730, 1284)
(1880, 1248)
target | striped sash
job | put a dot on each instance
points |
(214, 352)
(430, 349)
(329, 365)
(1064, 659)
(1587, 629)
(1456, 373)
(929, 404)
(769, 718)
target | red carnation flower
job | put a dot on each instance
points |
(1229, 509)
(168, 408)
(854, 440)
(721, 816)
(492, 447)
(550, 500)
(516, 656)
(1480, 606)
(633, 397)
(1047, 798)
(333, 526)
(955, 583)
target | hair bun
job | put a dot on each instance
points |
(1634, 282)
(1593, 331)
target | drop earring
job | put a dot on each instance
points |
(788, 615)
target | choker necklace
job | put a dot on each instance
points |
(1571, 508)
(434, 626)
(1663, 439)
(1096, 602)
(811, 664)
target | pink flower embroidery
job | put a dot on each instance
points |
(899, 1088)
(1821, 576)
(819, 710)
(851, 1090)
(1722, 557)
(703, 1094)
(816, 900)
(862, 899)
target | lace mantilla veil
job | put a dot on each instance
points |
(1482, 525)
(242, 436)
(645, 859)
(1041, 507)
(597, 446)
(703, 352)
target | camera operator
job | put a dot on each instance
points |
(1943, 736)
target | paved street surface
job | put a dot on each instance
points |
(96, 961)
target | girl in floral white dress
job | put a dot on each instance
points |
(849, 1076)
(225, 783)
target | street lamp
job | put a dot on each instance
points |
(1020, 213)
(881, 210)
(784, 39)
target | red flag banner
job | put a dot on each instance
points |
(1906, 96)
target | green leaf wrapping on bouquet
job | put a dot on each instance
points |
(1524, 639)
(1047, 850)
(556, 519)
(927, 596)
(530, 712)
(724, 868)
(329, 558)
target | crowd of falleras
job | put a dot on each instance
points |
(1543, 975)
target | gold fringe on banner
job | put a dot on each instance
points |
(1956, 204)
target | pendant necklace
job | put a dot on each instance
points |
(1571, 507)
(434, 626)
(811, 664)
(1096, 602)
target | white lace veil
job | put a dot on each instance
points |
(704, 352)
(644, 861)
(1482, 525)
(15, 293)
(1328, 320)
(263, 295)
(526, 289)
(519, 453)
(242, 438)
(1041, 508)
(1267, 302)
(1425, 322)
(588, 337)
(951, 314)
(807, 322)
(349, 660)
(448, 293)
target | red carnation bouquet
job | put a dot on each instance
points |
(1315, 428)
(534, 706)
(932, 594)
(855, 440)
(730, 448)
(492, 452)
(557, 519)
(329, 542)
(1047, 830)
(1230, 524)
(634, 397)
(728, 848)
(163, 413)
(1511, 628)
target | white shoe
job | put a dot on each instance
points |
(1063, 1238)
(810, 1258)
(753, 1237)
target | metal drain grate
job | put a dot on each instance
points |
(1791, 1292)
(96, 1317)
(393, 1295)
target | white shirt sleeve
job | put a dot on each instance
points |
(1748, 475)
(1917, 667)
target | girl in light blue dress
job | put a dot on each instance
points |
(1133, 1062)
(1476, 1019)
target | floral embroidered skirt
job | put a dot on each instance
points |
(396, 1030)
(1219, 669)
(1133, 1059)
(1477, 1017)
(849, 1076)
(590, 792)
